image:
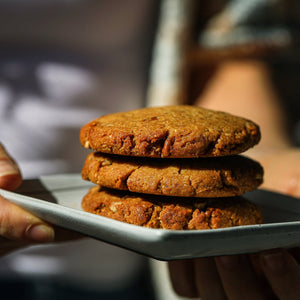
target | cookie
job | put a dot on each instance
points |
(179, 131)
(189, 177)
(163, 212)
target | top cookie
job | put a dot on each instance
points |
(179, 131)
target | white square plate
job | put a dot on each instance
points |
(57, 199)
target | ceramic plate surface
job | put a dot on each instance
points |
(57, 198)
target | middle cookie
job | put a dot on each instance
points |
(192, 177)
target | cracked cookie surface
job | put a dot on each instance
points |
(194, 177)
(179, 131)
(162, 212)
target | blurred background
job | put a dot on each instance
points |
(62, 64)
(66, 62)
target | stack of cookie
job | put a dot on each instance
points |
(173, 167)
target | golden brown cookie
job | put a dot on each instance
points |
(189, 177)
(179, 131)
(162, 212)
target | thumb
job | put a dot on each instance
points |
(10, 175)
(18, 224)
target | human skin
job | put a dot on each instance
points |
(244, 88)
(19, 228)
(260, 276)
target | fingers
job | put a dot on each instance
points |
(283, 273)
(238, 278)
(230, 277)
(269, 275)
(17, 224)
(208, 281)
(10, 176)
(19, 228)
(182, 277)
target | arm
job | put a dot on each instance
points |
(244, 88)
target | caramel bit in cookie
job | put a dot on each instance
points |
(175, 217)
(172, 131)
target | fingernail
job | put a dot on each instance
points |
(274, 261)
(230, 262)
(10, 176)
(40, 233)
(7, 168)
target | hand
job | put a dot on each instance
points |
(268, 275)
(17, 226)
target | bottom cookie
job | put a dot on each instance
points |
(176, 213)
